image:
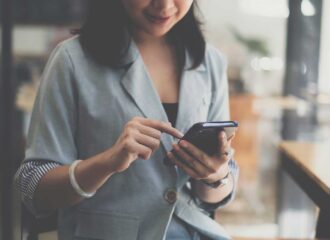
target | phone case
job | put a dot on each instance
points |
(204, 135)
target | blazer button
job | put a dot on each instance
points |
(171, 195)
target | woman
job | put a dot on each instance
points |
(111, 97)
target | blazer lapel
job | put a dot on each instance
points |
(140, 87)
(193, 86)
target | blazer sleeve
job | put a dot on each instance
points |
(52, 130)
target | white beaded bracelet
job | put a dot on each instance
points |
(74, 182)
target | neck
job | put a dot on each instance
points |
(144, 39)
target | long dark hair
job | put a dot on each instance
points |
(105, 37)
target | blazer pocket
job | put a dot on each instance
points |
(106, 226)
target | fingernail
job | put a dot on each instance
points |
(183, 143)
(223, 134)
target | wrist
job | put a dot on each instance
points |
(221, 173)
(224, 172)
(107, 161)
(74, 183)
(220, 182)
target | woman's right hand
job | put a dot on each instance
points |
(139, 139)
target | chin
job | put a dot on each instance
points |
(158, 32)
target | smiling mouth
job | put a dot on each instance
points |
(156, 19)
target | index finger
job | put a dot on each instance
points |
(231, 137)
(222, 139)
(163, 127)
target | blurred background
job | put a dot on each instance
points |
(279, 76)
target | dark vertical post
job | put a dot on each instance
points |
(301, 80)
(303, 51)
(6, 120)
(303, 48)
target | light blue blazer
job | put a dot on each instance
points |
(80, 111)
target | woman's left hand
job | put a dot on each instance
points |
(199, 165)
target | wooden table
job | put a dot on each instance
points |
(309, 166)
(243, 238)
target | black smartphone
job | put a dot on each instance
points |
(204, 135)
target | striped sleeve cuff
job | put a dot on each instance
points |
(27, 178)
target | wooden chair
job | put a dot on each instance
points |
(32, 226)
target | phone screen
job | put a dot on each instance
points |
(204, 135)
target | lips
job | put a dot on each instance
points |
(157, 19)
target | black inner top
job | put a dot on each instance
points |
(171, 110)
